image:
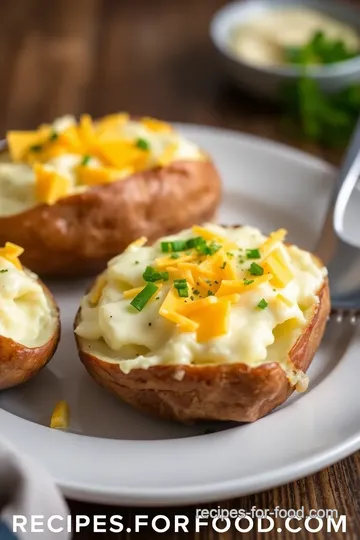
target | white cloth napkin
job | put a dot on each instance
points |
(27, 490)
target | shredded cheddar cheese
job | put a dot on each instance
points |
(270, 243)
(11, 252)
(236, 286)
(163, 262)
(50, 186)
(204, 280)
(19, 143)
(168, 155)
(86, 153)
(221, 307)
(93, 176)
(61, 415)
(276, 265)
(121, 154)
(139, 242)
(285, 300)
(155, 125)
(97, 290)
(131, 293)
(210, 235)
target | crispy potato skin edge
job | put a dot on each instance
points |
(19, 363)
(234, 392)
(79, 234)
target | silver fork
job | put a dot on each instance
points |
(339, 248)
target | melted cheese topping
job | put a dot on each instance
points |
(221, 319)
(67, 157)
(26, 315)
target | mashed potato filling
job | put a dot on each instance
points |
(68, 157)
(217, 295)
(26, 315)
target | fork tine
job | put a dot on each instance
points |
(353, 318)
(339, 317)
(341, 314)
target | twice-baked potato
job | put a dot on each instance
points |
(211, 324)
(75, 194)
(29, 320)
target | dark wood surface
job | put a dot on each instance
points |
(149, 57)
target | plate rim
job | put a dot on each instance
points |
(224, 489)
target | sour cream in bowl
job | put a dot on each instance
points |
(255, 37)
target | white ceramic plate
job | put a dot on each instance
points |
(117, 455)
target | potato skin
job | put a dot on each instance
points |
(234, 392)
(79, 234)
(19, 363)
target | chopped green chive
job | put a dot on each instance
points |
(176, 245)
(262, 304)
(223, 265)
(229, 254)
(53, 136)
(198, 243)
(152, 275)
(253, 254)
(36, 148)
(202, 247)
(195, 242)
(174, 256)
(85, 160)
(195, 291)
(183, 293)
(182, 287)
(248, 281)
(210, 293)
(212, 248)
(180, 283)
(256, 269)
(141, 299)
(3, 270)
(143, 144)
(165, 247)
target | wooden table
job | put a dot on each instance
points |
(154, 58)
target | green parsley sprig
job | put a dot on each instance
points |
(323, 118)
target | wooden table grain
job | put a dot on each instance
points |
(153, 58)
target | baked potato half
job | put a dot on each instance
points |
(75, 194)
(222, 325)
(29, 321)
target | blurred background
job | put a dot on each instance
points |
(99, 56)
(147, 57)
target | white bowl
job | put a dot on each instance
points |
(267, 81)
